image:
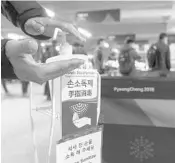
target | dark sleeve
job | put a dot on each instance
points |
(6, 67)
(99, 56)
(135, 55)
(168, 60)
(18, 12)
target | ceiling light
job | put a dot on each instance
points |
(115, 50)
(42, 44)
(106, 45)
(50, 13)
(90, 56)
(57, 48)
(111, 38)
(85, 32)
(14, 36)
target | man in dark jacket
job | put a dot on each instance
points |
(127, 57)
(16, 56)
(164, 62)
(159, 55)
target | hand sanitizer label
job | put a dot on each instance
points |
(80, 100)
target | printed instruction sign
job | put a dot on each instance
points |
(84, 148)
(79, 84)
(80, 100)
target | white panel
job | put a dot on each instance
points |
(99, 29)
(155, 13)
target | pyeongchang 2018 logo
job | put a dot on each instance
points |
(134, 89)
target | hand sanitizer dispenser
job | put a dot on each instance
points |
(76, 96)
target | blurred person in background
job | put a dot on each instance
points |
(127, 57)
(99, 56)
(4, 82)
(78, 48)
(90, 62)
(112, 62)
(159, 55)
(16, 55)
(54, 49)
(24, 87)
(46, 54)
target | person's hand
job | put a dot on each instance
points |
(46, 26)
(20, 52)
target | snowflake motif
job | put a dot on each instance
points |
(142, 148)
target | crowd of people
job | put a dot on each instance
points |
(123, 60)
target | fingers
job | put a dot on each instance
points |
(69, 65)
(16, 48)
(35, 26)
(46, 26)
(56, 69)
(73, 30)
